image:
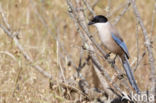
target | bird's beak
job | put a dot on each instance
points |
(90, 23)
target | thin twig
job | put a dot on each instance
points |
(9, 54)
(123, 5)
(59, 57)
(139, 59)
(121, 14)
(108, 7)
(94, 3)
(89, 8)
(153, 20)
(27, 57)
(137, 46)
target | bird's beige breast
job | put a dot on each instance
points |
(108, 42)
(105, 30)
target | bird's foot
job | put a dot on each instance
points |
(112, 62)
(107, 55)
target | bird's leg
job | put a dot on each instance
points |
(113, 61)
(107, 55)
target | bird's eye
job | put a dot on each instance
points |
(95, 20)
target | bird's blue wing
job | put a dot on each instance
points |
(121, 44)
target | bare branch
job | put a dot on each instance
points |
(153, 16)
(121, 14)
(14, 38)
(9, 54)
(89, 7)
(147, 44)
(94, 3)
(116, 9)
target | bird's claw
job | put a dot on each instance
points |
(107, 55)
(112, 62)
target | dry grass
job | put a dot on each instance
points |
(39, 24)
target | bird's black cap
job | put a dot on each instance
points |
(98, 19)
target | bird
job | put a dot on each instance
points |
(112, 40)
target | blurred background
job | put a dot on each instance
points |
(49, 36)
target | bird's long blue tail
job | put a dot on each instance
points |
(130, 74)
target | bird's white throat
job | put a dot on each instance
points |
(101, 26)
(104, 31)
